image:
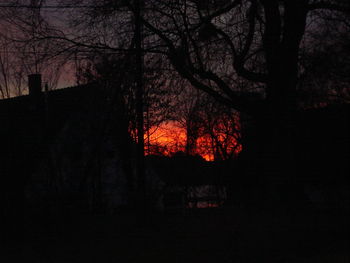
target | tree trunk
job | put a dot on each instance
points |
(274, 153)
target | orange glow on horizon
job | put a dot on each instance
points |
(168, 138)
(165, 139)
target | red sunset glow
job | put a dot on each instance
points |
(168, 138)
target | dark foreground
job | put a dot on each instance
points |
(236, 235)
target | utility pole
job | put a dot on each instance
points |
(141, 182)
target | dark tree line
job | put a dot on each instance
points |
(255, 56)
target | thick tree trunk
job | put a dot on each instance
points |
(274, 146)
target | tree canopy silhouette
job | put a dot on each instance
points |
(246, 54)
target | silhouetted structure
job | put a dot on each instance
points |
(64, 150)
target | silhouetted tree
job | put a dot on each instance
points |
(243, 53)
(22, 53)
(234, 48)
(325, 64)
(11, 71)
(210, 128)
(221, 131)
